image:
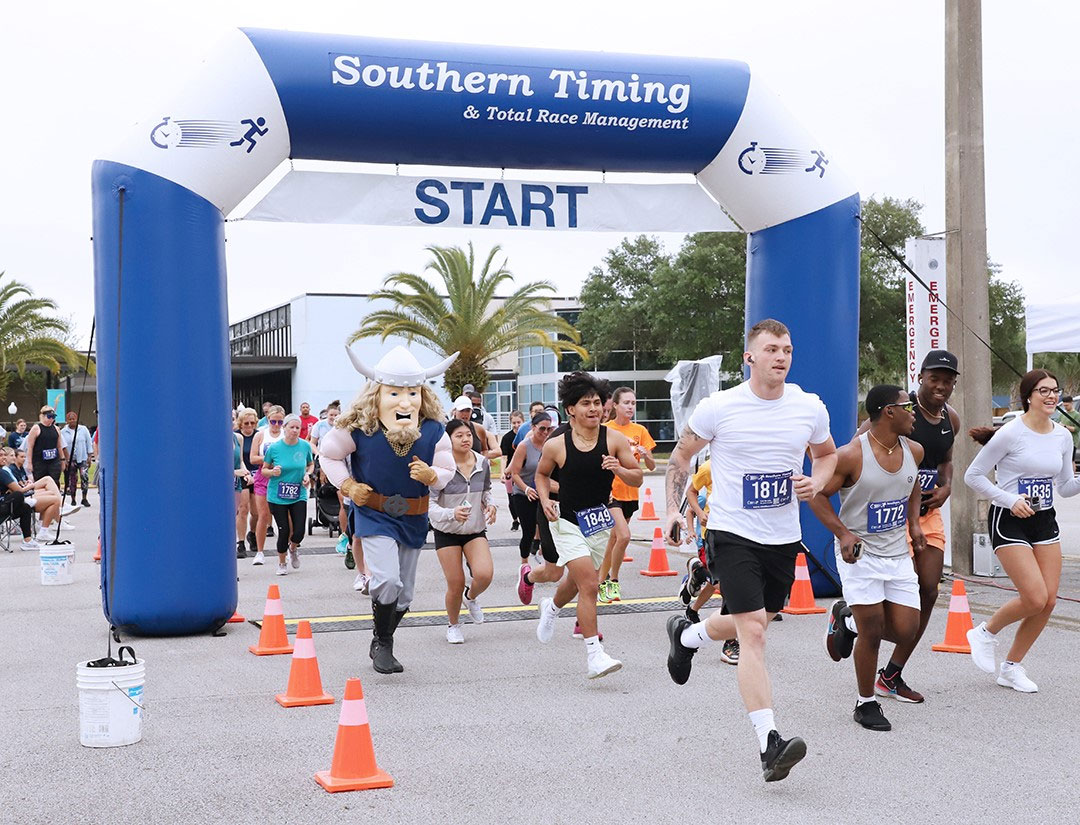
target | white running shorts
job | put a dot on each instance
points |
(876, 579)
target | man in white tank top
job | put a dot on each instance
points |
(877, 478)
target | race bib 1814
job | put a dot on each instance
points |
(763, 491)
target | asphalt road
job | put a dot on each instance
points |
(505, 729)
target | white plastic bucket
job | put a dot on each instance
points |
(56, 564)
(110, 704)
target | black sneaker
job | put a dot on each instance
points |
(85, 502)
(514, 526)
(729, 653)
(241, 552)
(779, 617)
(252, 546)
(696, 576)
(692, 615)
(680, 657)
(869, 715)
(270, 532)
(839, 640)
(781, 756)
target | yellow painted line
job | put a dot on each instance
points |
(512, 608)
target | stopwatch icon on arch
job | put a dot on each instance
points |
(752, 159)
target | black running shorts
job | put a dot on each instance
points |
(628, 507)
(455, 539)
(1006, 529)
(751, 576)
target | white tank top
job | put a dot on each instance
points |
(874, 508)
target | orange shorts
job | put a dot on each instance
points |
(933, 527)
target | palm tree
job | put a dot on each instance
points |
(466, 318)
(28, 335)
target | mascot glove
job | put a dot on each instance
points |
(357, 491)
(419, 471)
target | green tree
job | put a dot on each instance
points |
(882, 311)
(1008, 331)
(467, 319)
(30, 335)
(702, 295)
(615, 298)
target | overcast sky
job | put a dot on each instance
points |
(865, 78)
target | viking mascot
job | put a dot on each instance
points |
(384, 455)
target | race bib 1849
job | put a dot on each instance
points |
(48, 455)
(288, 491)
(763, 491)
(1039, 489)
(927, 480)
(594, 519)
(886, 515)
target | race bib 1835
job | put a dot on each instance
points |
(1039, 489)
(594, 519)
(763, 491)
(886, 515)
(288, 491)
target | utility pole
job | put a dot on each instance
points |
(968, 281)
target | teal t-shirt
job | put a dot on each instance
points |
(289, 486)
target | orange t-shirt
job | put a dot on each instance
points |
(638, 435)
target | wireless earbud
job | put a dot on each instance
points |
(749, 359)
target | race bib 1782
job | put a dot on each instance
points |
(763, 491)
(886, 515)
(594, 519)
(288, 491)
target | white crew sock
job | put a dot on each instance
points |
(593, 646)
(1006, 665)
(763, 723)
(849, 623)
(985, 631)
(695, 636)
(864, 699)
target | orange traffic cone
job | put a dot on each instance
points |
(959, 622)
(272, 639)
(658, 563)
(97, 553)
(305, 684)
(236, 617)
(801, 600)
(353, 768)
(648, 512)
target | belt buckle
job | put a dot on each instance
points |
(396, 506)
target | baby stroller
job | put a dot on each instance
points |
(327, 506)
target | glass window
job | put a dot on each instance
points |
(653, 389)
(618, 360)
(651, 361)
(654, 410)
(549, 394)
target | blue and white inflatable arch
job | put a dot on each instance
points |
(160, 200)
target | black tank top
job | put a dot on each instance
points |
(582, 482)
(936, 438)
(477, 447)
(247, 450)
(47, 439)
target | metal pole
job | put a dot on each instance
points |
(968, 280)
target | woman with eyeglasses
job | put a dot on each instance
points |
(523, 476)
(287, 466)
(244, 471)
(273, 433)
(1032, 457)
(45, 448)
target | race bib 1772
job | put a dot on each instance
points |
(763, 491)
(594, 519)
(886, 515)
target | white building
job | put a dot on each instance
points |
(296, 352)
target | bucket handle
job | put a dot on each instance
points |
(120, 654)
(127, 696)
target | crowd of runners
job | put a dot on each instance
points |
(747, 457)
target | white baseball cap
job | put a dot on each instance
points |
(462, 402)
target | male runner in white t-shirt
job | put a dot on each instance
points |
(759, 432)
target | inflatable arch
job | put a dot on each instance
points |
(159, 202)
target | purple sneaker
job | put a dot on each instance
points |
(525, 590)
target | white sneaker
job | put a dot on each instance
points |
(600, 664)
(548, 614)
(30, 544)
(46, 533)
(361, 583)
(1015, 677)
(476, 613)
(294, 558)
(983, 648)
(283, 569)
(454, 634)
(258, 558)
(536, 561)
(70, 510)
